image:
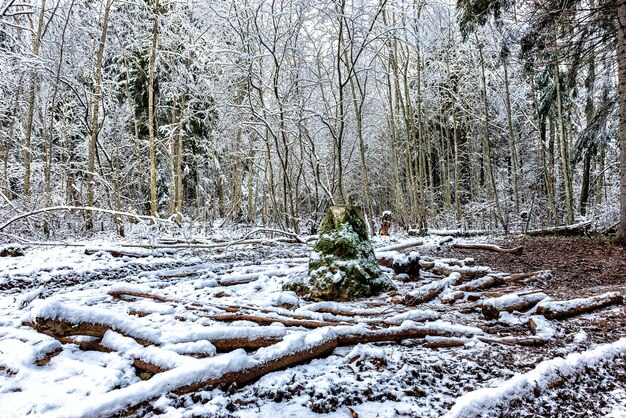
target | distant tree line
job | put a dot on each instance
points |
(482, 115)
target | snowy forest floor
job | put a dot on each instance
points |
(158, 325)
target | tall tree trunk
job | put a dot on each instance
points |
(564, 150)
(28, 129)
(485, 144)
(151, 121)
(91, 152)
(621, 59)
(512, 147)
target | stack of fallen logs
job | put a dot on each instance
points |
(454, 282)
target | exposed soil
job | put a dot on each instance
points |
(580, 265)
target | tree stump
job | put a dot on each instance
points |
(385, 223)
(342, 265)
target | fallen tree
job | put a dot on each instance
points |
(547, 375)
(492, 307)
(134, 216)
(489, 247)
(574, 229)
(430, 291)
(573, 307)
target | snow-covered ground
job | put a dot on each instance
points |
(176, 327)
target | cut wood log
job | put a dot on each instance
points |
(144, 366)
(508, 303)
(465, 272)
(481, 283)
(523, 341)
(489, 247)
(400, 246)
(574, 229)
(458, 233)
(267, 320)
(523, 276)
(573, 307)
(401, 264)
(444, 343)
(430, 291)
(248, 375)
(11, 250)
(292, 235)
(452, 297)
(117, 253)
(400, 333)
(120, 294)
(61, 329)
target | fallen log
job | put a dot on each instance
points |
(465, 272)
(523, 276)
(547, 374)
(523, 341)
(347, 337)
(452, 297)
(399, 247)
(60, 329)
(459, 233)
(268, 320)
(574, 229)
(147, 370)
(292, 235)
(117, 253)
(119, 294)
(400, 263)
(492, 307)
(88, 209)
(236, 368)
(481, 283)
(248, 375)
(573, 307)
(444, 343)
(430, 291)
(489, 247)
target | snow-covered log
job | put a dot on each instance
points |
(465, 271)
(399, 247)
(60, 321)
(547, 374)
(267, 320)
(401, 263)
(235, 367)
(573, 307)
(408, 330)
(430, 291)
(117, 252)
(574, 229)
(508, 303)
(488, 247)
(481, 283)
(531, 341)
